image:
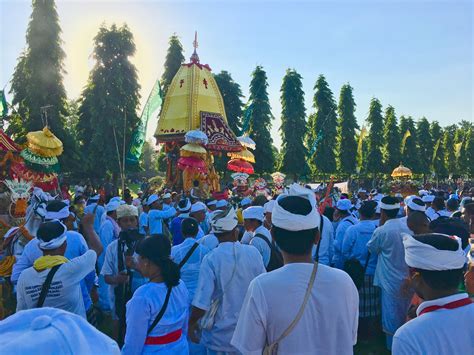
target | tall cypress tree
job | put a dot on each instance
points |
(232, 96)
(425, 145)
(38, 79)
(375, 139)
(109, 101)
(391, 135)
(322, 129)
(410, 151)
(293, 124)
(437, 158)
(346, 136)
(260, 122)
(173, 61)
(448, 145)
(469, 153)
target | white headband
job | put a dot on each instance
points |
(56, 242)
(185, 208)
(61, 214)
(281, 218)
(416, 207)
(427, 257)
(385, 206)
(223, 221)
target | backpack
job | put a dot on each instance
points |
(276, 259)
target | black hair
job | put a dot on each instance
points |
(55, 206)
(367, 209)
(452, 204)
(295, 242)
(189, 227)
(390, 200)
(259, 200)
(444, 279)
(182, 203)
(329, 212)
(157, 249)
(438, 202)
(451, 226)
(48, 231)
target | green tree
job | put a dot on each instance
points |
(469, 153)
(149, 159)
(375, 138)
(425, 145)
(38, 79)
(232, 96)
(346, 136)
(173, 61)
(410, 151)
(437, 158)
(260, 122)
(449, 151)
(391, 146)
(109, 101)
(293, 124)
(322, 125)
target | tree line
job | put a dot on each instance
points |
(97, 127)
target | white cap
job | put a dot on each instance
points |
(221, 203)
(268, 207)
(198, 206)
(254, 212)
(344, 205)
(428, 198)
(422, 193)
(167, 195)
(112, 206)
(127, 210)
(152, 199)
(52, 330)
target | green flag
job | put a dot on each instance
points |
(151, 109)
(3, 104)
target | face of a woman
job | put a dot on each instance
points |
(146, 267)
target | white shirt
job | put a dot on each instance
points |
(210, 241)
(156, 217)
(190, 270)
(329, 322)
(440, 332)
(142, 310)
(326, 250)
(431, 213)
(65, 290)
(387, 243)
(262, 245)
(223, 278)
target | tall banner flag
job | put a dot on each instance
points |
(435, 150)
(404, 140)
(151, 109)
(362, 135)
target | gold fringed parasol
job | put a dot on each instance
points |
(192, 150)
(44, 143)
(401, 172)
(244, 154)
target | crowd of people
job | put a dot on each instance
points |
(175, 273)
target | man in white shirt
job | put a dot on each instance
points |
(223, 280)
(253, 223)
(328, 324)
(443, 325)
(64, 291)
(391, 271)
(345, 219)
(430, 212)
(158, 214)
(323, 252)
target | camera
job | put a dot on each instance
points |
(130, 238)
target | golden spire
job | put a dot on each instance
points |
(195, 57)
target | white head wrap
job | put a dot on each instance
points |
(198, 206)
(221, 203)
(112, 206)
(254, 212)
(212, 203)
(57, 241)
(428, 198)
(61, 214)
(126, 210)
(416, 207)
(185, 208)
(295, 222)
(344, 205)
(223, 221)
(152, 199)
(246, 201)
(427, 257)
(268, 207)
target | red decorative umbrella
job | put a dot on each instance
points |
(193, 163)
(240, 166)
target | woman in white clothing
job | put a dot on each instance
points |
(157, 314)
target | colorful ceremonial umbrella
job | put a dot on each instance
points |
(192, 150)
(244, 154)
(196, 136)
(193, 163)
(246, 141)
(240, 166)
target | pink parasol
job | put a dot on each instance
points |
(240, 166)
(193, 163)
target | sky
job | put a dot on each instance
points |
(417, 56)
